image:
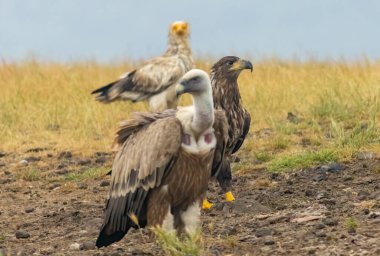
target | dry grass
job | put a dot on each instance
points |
(337, 104)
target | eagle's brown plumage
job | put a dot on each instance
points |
(165, 160)
(155, 80)
(226, 95)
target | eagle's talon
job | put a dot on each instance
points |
(229, 197)
(206, 205)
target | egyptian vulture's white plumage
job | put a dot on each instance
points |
(161, 171)
(156, 79)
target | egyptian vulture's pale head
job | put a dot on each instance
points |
(195, 81)
(180, 28)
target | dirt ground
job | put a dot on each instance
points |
(324, 210)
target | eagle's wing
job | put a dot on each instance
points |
(155, 76)
(146, 156)
(247, 124)
(221, 134)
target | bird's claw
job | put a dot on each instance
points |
(206, 205)
(229, 197)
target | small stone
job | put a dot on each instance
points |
(88, 245)
(230, 231)
(373, 215)
(22, 234)
(351, 230)
(54, 186)
(82, 186)
(269, 241)
(84, 161)
(24, 162)
(308, 193)
(29, 209)
(74, 247)
(62, 171)
(321, 195)
(292, 118)
(366, 211)
(2, 154)
(365, 155)
(320, 234)
(363, 195)
(104, 183)
(65, 154)
(330, 222)
(7, 172)
(263, 232)
(38, 149)
(33, 159)
(320, 177)
(100, 160)
(320, 226)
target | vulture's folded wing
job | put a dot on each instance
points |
(138, 121)
(221, 134)
(155, 76)
(146, 156)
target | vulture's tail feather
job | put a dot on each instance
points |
(103, 92)
(105, 240)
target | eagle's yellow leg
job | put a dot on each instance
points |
(206, 205)
(229, 197)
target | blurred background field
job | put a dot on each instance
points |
(302, 112)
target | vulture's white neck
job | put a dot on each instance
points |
(203, 118)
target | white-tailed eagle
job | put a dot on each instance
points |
(165, 160)
(155, 80)
(226, 95)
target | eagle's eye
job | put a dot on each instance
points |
(230, 63)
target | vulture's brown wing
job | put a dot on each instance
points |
(155, 76)
(146, 156)
(221, 133)
(138, 121)
(247, 124)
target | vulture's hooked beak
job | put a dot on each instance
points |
(242, 64)
(181, 88)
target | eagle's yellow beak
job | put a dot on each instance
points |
(241, 64)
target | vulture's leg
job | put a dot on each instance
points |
(191, 218)
(159, 210)
(224, 178)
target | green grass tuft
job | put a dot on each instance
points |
(172, 245)
(302, 160)
(91, 173)
(31, 175)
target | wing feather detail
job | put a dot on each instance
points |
(149, 149)
(221, 134)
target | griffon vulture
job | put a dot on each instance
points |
(165, 161)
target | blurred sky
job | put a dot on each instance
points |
(67, 30)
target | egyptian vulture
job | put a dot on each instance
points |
(165, 161)
(155, 80)
(226, 95)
